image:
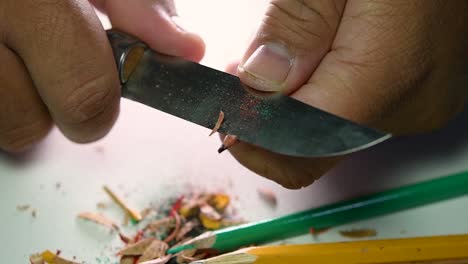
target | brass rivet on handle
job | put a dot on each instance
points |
(130, 61)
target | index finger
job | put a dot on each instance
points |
(70, 61)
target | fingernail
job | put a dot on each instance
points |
(179, 23)
(267, 68)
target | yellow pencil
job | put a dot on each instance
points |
(436, 250)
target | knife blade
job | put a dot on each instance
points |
(197, 93)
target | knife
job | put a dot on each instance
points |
(197, 93)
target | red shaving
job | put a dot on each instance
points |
(177, 205)
(138, 236)
(314, 231)
(176, 228)
(124, 239)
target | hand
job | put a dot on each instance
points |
(396, 65)
(57, 64)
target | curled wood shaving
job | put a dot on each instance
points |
(170, 237)
(210, 212)
(138, 248)
(186, 228)
(146, 212)
(218, 123)
(155, 250)
(359, 233)
(166, 222)
(36, 259)
(162, 260)
(125, 238)
(127, 260)
(268, 196)
(98, 219)
(134, 214)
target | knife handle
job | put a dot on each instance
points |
(127, 50)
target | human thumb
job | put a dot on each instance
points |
(291, 41)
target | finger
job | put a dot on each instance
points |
(386, 77)
(290, 172)
(70, 61)
(156, 23)
(290, 43)
(231, 68)
(24, 120)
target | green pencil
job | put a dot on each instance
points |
(365, 207)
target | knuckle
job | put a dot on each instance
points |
(90, 100)
(23, 136)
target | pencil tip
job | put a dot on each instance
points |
(221, 149)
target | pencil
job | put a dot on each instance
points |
(437, 249)
(365, 207)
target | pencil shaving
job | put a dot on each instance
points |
(219, 201)
(186, 228)
(98, 219)
(138, 248)
(155, 250)
(359, 233)
(52, 258)
(127, 260)
(268, 196)
(160, 223)
(23, 208)
(134, 214)
(218, 123)
(186, 256)
(36, 259)
(176, 228)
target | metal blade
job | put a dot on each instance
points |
(274, 122)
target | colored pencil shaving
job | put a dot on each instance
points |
(228, 141)
(268, 196)
(218, 123)
(437, 249)
(99, 219)
(359, 233)
(134, 214)
(178, 221)
(22, 208)
(49, 258)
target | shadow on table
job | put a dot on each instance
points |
(383, 166)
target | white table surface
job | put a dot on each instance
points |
(150, 156)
